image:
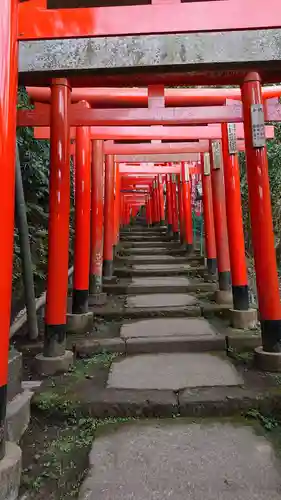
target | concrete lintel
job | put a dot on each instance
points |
(225, 55)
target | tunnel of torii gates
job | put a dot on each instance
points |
(60, 50)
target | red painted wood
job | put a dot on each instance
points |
(147, 19)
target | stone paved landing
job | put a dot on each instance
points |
(161, 281)
(172, 371)
(163, 267)
(186, 327)
(174, 460)
(161, 300)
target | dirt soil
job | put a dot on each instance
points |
(58, 440)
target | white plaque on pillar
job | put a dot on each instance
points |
(207, 166)
(174, 178)
(216, 149)
(186, 171)
(258, 126)
(231, 133)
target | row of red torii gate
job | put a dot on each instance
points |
(140, 139)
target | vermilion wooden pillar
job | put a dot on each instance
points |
(82, 220)
(234, 219)
(180, 208)
(169, 202)
(187, 209)
(59, 207)
(175, 214)
(108, 218)
(96, 257)
(208, 214)
(220, 216)
(161, 199)
(8, 103)
(117, 206)
(261, 215)
(155, 202)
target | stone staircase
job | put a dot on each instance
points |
(172, 364)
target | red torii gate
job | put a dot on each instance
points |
(141, 19)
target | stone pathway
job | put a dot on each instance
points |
(171, 365)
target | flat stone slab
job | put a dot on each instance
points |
(172, 371)
(151, 257)
(168, 327)
(164, 267)
(161, 281)
(179, 461)
(161, 300)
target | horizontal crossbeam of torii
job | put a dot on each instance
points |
(106, 97)
(169, 17)
(154, 133)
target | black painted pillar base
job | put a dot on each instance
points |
(212, 266)
(54, 340)
(224, 280)
(107, 270)
(80, 301)
(3, 406)
(240, 297)
(271, 335)
(95, 285)
(176, 236)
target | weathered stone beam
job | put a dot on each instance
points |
(193, 58)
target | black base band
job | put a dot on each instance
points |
(240, 297)
(95, 284)
(80, 301)
(3, 406)
(54, 340)
(271, 335)
(224, 280)
(212, 266)
(176, 235)
(107, 270)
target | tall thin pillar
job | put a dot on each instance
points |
(96, 257)
(169, 202)
(8, 104)
(82, 221)
(187, 209)
(220, 222)
(161, 200)
(208, 214)
(261, 216)
(108, 218)
(234, 219)
(117, 206)
(175, 214)
(59, 208)
(181, 212)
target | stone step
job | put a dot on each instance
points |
(154, 244)
(147, 312)
(160, 270)
(163, 259)
(182, 460)
(136, 238)
(158, 251)
(165, 284)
